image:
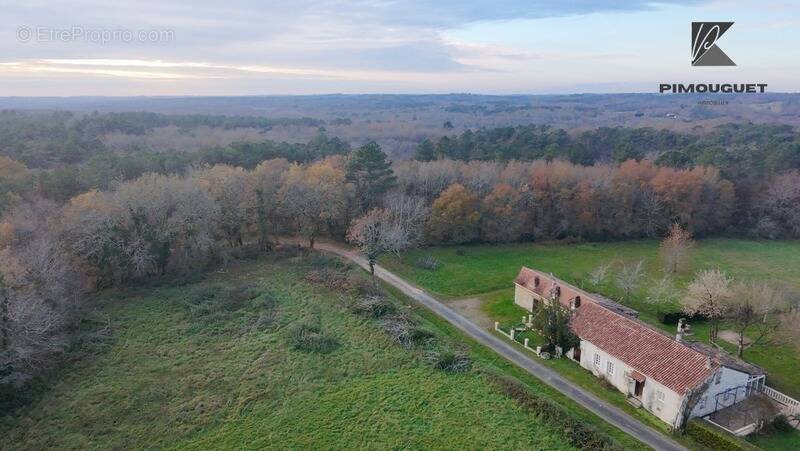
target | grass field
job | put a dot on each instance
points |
(489, 271)
(183, 374)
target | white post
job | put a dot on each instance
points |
(512, 333)
(523, 319)
(496, 325)
(526, 342)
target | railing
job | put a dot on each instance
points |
(788, 401)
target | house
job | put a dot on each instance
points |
(663, 374)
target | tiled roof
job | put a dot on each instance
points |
(646, 350)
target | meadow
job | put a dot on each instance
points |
(210, 363)
(488, 272)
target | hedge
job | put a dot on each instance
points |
(576, 431)
(713, 437)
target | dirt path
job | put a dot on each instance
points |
(472, 309)
(606, 411)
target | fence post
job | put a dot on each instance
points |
(496, 325)
(512, 332)
(526, 342)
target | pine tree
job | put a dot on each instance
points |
(371, 174)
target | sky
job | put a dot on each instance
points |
(249, 47)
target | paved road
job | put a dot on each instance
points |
(604, 410)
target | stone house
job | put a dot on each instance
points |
(660, 373)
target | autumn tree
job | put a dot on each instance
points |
(376, 233)
(454, 216)
(15, 182)
(226, 185)
(676, 249)
(502, 215)
(371, 175)
(706, 295)
(263, 185)
(754, 310)
(313, 198)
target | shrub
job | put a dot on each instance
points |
(577, 433)
(333, 278)
(403, 331)
(449, 361)
(712, 437)
(672, 317)
(210, 299)
(364, 287)
(428, 262)
(310, 338)
(373, 307)
(289, 251)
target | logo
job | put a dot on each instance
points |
(705, 51)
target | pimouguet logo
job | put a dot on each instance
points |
(705, 51)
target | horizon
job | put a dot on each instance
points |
(86, 48)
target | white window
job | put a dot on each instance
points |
(597, 359)
(610, 368)
(659, 396)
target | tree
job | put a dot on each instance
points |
(313, 198)
(754, 307)
(599, 274)
(454, 216)
(552, 319)
(662, 293)
(371, 174)
(376, 233)
(226, 185)
(676, 248)
(706, 295)
(426, 151)
(629, 277)
(789, 331)
(263, 184)
(502, 215)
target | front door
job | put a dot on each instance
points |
(576, 354)
(638, 389)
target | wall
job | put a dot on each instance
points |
(667, 410)
(729, 378)
(523, 297)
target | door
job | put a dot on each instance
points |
(576, 354)
(638, 389)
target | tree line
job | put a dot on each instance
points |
(53, 253)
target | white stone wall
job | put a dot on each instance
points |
(523, 297)
(724, 379)
(667, 409)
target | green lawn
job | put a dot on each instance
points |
(489, 271)
(178, 377)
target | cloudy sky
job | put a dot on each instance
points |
(244, 47)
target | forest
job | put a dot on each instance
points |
(109, 219)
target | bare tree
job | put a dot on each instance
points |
(706, 295)
(676, 249)
(754, 307)
(789, 331)
(662, 293)
(629, 277)
(599, 274)
(226, 185)
(377, 233)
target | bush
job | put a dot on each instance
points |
(577, 433)
(712, 437)
(210, 299)
(289, 251)
(671, 317)
(403, 331)
(428, 262)
(333, 278)
(364, 287)
(310, 338)
(449, 361)
(373, 307)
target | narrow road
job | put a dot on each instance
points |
(611, 414)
